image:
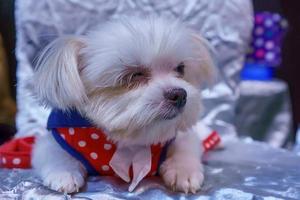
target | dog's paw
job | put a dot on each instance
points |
(182, 174)
(65, 181)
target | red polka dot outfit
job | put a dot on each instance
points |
(94, 147)
(89, 145)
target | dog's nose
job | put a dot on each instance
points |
(176, 97)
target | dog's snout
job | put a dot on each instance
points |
(176, 97)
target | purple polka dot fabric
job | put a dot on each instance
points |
(268, 32)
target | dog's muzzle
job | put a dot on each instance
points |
(174, 102)
(176, 97)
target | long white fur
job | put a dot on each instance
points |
(73, 72)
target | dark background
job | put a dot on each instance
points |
(8, 32)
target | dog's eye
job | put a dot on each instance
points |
(134, 76)
(180, 68)
(137, 75)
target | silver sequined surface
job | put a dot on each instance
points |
(245, 170)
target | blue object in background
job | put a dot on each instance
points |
(255, 71)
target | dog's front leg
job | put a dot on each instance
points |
(57, 168)
(183, 170)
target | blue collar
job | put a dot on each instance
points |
(72, 118)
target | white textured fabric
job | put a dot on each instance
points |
(139, 157)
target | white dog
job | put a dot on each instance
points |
(137, 80)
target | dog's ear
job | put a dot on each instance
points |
(56, 80)
(205, 69)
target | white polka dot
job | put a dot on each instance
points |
(82, 143)
(107, 146)
(95, 136)
(94, 155)
(71, 131)
(215, 138)
(16, 161)
(63, 136)
(207, 145)
(3, 160)
(105, 167)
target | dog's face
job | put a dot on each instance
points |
(137, 79)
